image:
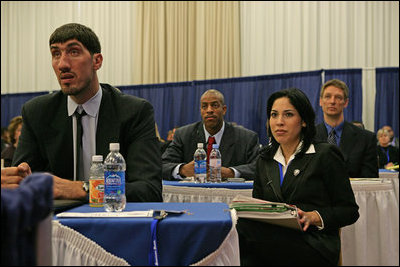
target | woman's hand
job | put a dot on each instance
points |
(308, 218)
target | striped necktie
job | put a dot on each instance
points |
(332, 137)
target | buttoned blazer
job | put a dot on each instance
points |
(316, 181)
(358, 147)
(46, 141)
(239, 148)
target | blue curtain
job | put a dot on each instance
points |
(11, 105)
(177, 104)
(246, 98)
(353, 79)
(387, 99)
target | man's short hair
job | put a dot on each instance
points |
(80, 32)
(215, 92)
(337, 83)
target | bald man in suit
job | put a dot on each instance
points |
(238, 146)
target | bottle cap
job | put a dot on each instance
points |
(199, 145)
(215, 146)
(114, 146)
(97, 158)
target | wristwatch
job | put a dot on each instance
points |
(85, 186)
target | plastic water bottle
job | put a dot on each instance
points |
(200, 164)
(96, 182)
(114, 180)
(215, 164)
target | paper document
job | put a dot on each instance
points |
(270, 212)
(145, 213)
(366, 180)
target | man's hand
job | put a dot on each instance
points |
(227, 173)
(187, 169)
(11, 177)
(66, 189)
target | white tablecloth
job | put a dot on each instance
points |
(372, 240)
(200, 194)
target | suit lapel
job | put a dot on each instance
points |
(60, 138)
(198, 136)
(348, 137)
(108, 129)
(271, 169)
(294, 174)
(322, 133)
(227, 143)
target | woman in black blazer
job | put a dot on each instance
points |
(296, 170)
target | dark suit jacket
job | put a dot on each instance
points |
(358, 147)
(239, 148)
(46, 142)
(322, 184)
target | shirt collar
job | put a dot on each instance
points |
(91, 106)
(338, 129)
(218, 136)
(281, 159)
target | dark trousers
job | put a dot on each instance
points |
(266, 244)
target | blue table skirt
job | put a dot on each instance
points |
(385, 170)
(211, 185)
(182, 239)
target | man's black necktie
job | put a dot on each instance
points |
(332, 137)
(79, 134)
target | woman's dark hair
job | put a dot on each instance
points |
(303, 106)
(80, 32)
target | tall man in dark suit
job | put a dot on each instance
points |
(48, 139)
(238, 145)
(358, 146)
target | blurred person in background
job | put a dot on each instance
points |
(14, 130)
(359, 124)
(4, 138)
(388, 155)
(394, 141)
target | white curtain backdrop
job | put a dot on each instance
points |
(291, 36)
(276, 37)
(26, 27)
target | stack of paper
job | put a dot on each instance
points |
(270, 212)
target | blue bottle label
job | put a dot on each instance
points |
(200, 166)
(114, 182)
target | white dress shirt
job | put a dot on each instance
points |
(89, 126)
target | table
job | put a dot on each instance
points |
(205, 236)
(394, 175)
(174, 191)
(383, 173)
(372, 240)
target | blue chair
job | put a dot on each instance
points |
(23, 210)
